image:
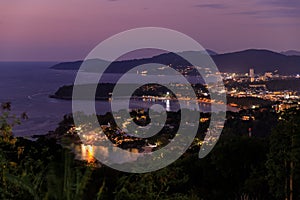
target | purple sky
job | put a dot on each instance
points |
(35, 30)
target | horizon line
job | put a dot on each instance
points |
(81, 59)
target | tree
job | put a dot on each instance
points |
(283, 158)
(33, 170)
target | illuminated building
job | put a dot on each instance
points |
(251, 74)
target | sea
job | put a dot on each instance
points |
(27, 85)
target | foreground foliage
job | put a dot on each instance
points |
(239, 167)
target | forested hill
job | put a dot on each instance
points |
(240, 62)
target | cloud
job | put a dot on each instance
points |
(270, 9)
(280, 8)
(281, 3)
(213, 6)
(287, 13)
(272, 13)
(253, 12)
(257, 8)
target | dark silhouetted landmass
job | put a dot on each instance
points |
(260, 60)
(76, 65)
(211, 52)
(291, 53)
(240, 62)
(104, 91)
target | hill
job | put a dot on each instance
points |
(240, 62)
(291, 53)
(260, 60)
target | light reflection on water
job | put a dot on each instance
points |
(88, 153)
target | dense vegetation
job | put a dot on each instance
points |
(104, 90)
(264, 166)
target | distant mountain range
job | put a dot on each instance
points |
(211, 52)
(291, 53)
(260, 60)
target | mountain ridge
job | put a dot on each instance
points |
(291, 53)
(261, 60)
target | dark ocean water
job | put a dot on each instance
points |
(28, 86)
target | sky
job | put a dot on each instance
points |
(66, 30)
